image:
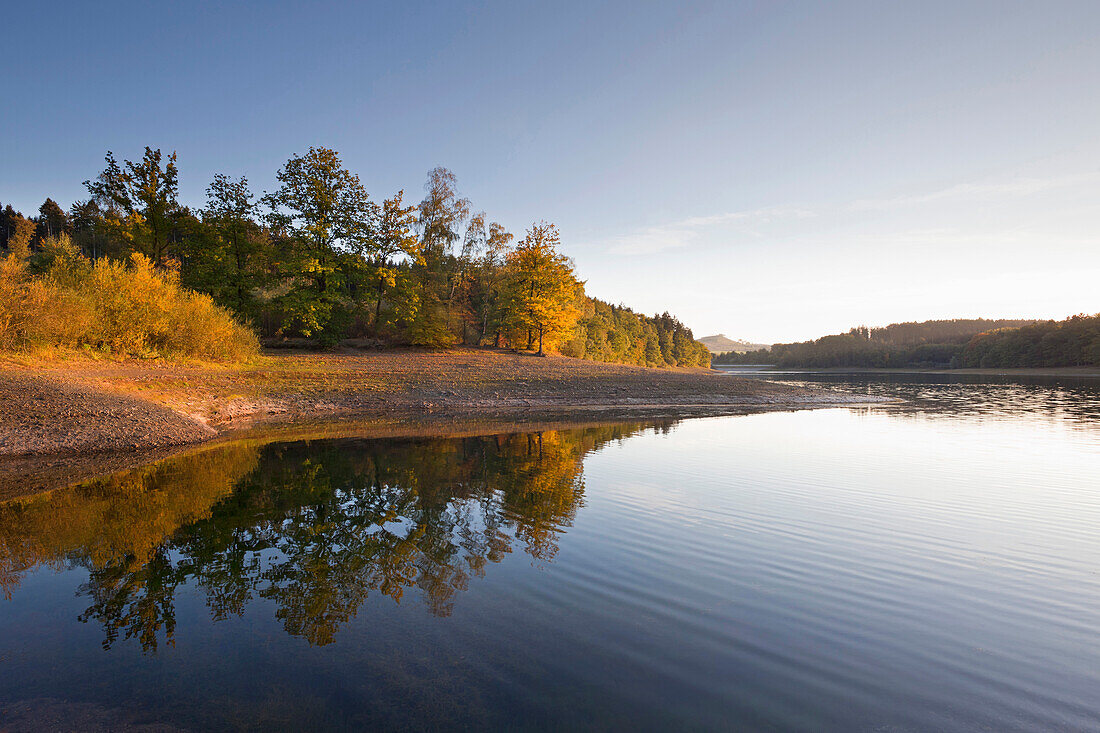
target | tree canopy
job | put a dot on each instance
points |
(540, 291)
(319, 260)
(139, 201)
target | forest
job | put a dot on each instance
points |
(132, 270)
(1072, 342)
(955, 343)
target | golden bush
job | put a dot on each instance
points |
(128, 308)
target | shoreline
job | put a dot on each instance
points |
(1073, 372)
(82, 411)
(23, 476)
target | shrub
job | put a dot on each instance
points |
(207, 331)
(123, 308)
(20, 299)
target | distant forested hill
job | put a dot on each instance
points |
(955, 331)
(1072, 342)
(954, 343)
(720, 344)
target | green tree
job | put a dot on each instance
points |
(393, 241)
(490, 272)
(139, 201)
(90, 232)
(324, 211)
(441, 214)
(230, 219)
(52, 221)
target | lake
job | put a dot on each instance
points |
(932, 564)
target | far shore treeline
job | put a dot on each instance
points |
(960, 343)
(317, 261)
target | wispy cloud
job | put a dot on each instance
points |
(683, 233)
(977, 191)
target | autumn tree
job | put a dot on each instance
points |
(18, 233)
(139, 201)
(541, 290)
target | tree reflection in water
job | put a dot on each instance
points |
(315, 527)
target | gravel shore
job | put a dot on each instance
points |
(42, 415)
(79, 406)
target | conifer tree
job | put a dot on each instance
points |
(52, 221)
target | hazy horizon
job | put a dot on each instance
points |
(771, 173)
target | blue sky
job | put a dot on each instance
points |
(773, 171)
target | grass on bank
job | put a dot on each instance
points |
(62, 299)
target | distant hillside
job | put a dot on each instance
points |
(927, 344)
(721, 344)
(1073, 342)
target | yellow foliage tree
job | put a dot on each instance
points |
(540, 292)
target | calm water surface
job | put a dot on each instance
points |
(931, 565)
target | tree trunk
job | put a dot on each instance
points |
(240, 276)
(321, 280)
(378, 305)
(540, 345)
(156, 242)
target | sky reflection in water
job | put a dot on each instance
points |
(927, 565)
